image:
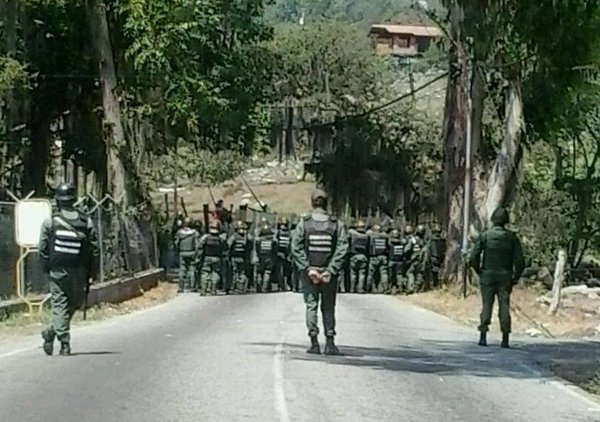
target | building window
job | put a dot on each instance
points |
(402, 42)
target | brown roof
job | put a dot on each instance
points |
(419, 31)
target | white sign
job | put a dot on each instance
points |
(30, 214)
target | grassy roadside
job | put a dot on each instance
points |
(19, 324)
(572, 354)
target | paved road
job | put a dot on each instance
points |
(242, 358)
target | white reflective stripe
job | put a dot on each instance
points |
(398, 250)
(319, 236)
(66, 233)
(68, 244)
(318, 249)
(66, 250)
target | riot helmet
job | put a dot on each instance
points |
(65, 195)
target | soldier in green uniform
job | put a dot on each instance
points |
(413, 252)
(265, 250)
(436, 247)
(497, 257)
(319, 248)
(240, 247)
(68, 249)
(359, 261)
(284, 266)
(396, 259)
(378, 264)
(211, 253)
(187, 240)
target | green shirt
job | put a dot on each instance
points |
(498, 250)
(298, 251)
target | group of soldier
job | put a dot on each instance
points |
(238, 260)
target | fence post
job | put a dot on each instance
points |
(559, 277)
(101, 243)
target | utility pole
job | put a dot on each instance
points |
(467, 191)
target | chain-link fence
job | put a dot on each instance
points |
(127, 242)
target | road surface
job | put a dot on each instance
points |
(242, 358)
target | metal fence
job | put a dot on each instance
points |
(127, 241)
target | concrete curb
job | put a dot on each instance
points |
(112, 291)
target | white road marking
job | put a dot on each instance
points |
(18, 351)
(279, 384)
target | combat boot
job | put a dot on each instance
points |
(482, 339)
(48, 346)
(65, 349)
(314, 349)
(330, 347)
(504, 343)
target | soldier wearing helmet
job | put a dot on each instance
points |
(319, 248)
(437, 253)
(284, 264)
(187, 241)
(414, 252)
(497, 257)
(265, 251)
(211, 254)
(69, 251)
(378, 263)
(359, 259)
(396, 259)
(240, 247)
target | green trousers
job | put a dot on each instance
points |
(358, 273)
(396, 275)
(211, 274)
(67, 290)
(187, 271)
(263, 275)
(494, 284)
(240, 275)
(324, 293)
(414, 278)
(378, 268)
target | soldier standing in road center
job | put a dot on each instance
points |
(319, 248)
(68, 249)
(497, 257)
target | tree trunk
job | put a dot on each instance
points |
(503, 176)
(9, 149)
(478, 94)
(114, 136)
(455, 122)
(559, 278)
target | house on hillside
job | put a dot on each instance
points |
(406, 42)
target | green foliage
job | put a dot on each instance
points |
(200, 65)
(13, 75)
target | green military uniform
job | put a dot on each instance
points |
(318, 251)
(396, 260)
(284, 265)
(359, 261)
(414, 253)
(378, 263)
(69, 251)
(265, 250)
(436, 248)
(211, 253)
(240, 247)
(497, 257)
(187, 241)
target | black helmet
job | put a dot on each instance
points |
(421, 230)
(500, 216)
(65, 193)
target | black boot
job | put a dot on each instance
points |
(314, 349)
(330, 347)
(65, 349)
(48, 346)
(482, 339)
(504, 343)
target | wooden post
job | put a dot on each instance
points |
(559, 277)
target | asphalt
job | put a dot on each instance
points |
(242, 358)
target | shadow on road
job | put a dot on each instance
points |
(451, 358)
(95, 353)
